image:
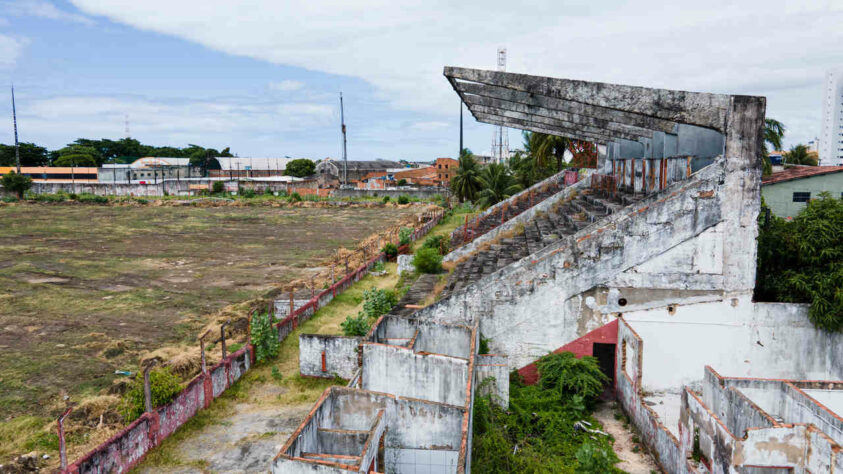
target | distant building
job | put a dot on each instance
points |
(786, 192)
(246, 167)
(149, 169)
(46, 174)
(445, 170)
(831, 139)
(330, 170)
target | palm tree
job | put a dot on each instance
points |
(497, 185)
(773, 134)
(466, 181)
(799, 155)
(545, 147)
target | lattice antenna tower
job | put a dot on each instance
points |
(500, 137)
(126, 122)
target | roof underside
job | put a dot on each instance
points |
(591, 111)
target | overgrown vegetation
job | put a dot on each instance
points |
(536, 433)
(404, 235)
(163, 386)
(801, 261)
(390, 250)
(402, 199)
(16, 183)
(264, 337)
(427, 260)
(376, 302)
(437, 242)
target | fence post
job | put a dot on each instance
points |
(62, 445)
(202, 350)
(147, 392)
(292, 305)
(312, 286)
(346, 265)
(222, 336)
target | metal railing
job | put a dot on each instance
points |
(642, 175)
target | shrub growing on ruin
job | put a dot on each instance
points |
(801, 261)
(218, 187)
(571, 376)
(385, 199)
(163, 386)
(295, 197)
(427, 260)
(248, 193)
(355, 325)
(402, 199)
(264, 337)
(377, 302)
(390, 250)
(437, 242)
(404, 235)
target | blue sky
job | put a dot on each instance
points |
(263, 76)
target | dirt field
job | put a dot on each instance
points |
(84, 289)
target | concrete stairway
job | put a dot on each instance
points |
(562, 220)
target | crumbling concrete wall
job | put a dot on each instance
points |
(739, 337)
(534, 306)
(495, 368)
(340, 355)
(403, 372)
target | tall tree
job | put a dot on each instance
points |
(799, 155)
(30, 155)
(300, 168)
(496, 185)
(80, 154)
(466, 181)
(544, 148)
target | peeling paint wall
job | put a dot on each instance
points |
(495, 367)
(738, 337)
(406, 373)
(340, 352)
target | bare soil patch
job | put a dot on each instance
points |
(84, 290)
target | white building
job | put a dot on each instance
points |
(831, 140)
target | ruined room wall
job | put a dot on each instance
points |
(402, 372)
(340, 355)
(423, 435)
(779, 446)
(654, 434)
(737, 337)
(800, 408)
(735, 409)
(452, 341)
(496, 367)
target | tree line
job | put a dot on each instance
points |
(89, 152)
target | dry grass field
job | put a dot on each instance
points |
(86, 289)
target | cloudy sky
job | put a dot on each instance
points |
(263, 76)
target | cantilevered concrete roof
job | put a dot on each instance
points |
(591, 111)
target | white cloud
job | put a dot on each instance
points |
(776, 48)
(286, 85)
(62, 119)
(10, 50)
(43, 9)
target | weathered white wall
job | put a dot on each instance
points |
(402, 372)
(495, 367)
(340, 355)
(737, 337)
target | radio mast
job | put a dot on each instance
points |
(15, 125)
(344, 153)
(500, 137)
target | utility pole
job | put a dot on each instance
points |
(344, 153)
(461, 147)
(15, 124)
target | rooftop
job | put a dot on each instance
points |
(799, 172)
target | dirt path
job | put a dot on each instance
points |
(632, 462)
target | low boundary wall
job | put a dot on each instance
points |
(127, 448)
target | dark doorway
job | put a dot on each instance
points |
(605, 354)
